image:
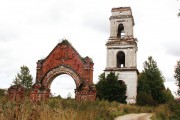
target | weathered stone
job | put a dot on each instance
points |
(122, 49)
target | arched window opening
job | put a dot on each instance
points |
(120, 59)
(63, 86)
(120, 32)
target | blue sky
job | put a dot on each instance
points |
(30, 29)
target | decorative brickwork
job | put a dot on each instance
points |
(64, 59)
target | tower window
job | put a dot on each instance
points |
(120, 59)
(120, 32)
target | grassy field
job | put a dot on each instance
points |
(61, 109)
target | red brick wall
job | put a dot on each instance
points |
(16, 92)
(65, 54)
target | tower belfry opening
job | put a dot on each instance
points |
(120, 33)
(122, 50)
(120, 59)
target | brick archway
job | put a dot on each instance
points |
(64, 59)
(52, 74)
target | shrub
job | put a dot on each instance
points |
(174, 106)
(144, 99)
(2, 92)
(111, 89)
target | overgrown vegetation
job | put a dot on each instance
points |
(152, 96)
(65, 41)
(110, 88)
(68, 109)
(2, 92)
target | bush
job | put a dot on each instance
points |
(174, 106)
(144, 99)
(2, 92)
(111, 89)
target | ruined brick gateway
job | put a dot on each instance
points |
(64, 59)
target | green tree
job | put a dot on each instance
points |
(169, 95)
(143, 83)
(151, 82)
(177, 76)
(155, 80)
(111, 89)
(24, 78)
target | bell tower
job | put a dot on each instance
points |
(122, 49)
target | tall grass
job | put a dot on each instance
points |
(61, 109)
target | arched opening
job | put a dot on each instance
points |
(63, 86)
(120, 59)
(120, 32)
(61, 61)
